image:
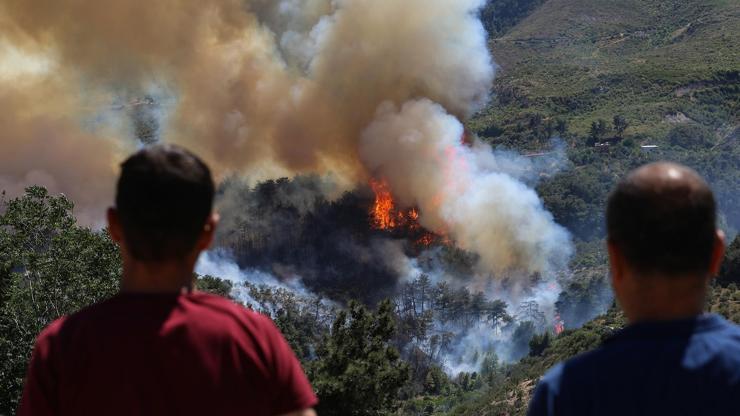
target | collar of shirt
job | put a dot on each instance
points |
(668, 329)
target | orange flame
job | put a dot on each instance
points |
(382, 210)
(559, 325)
(386, 216)
(427, 239)
(413, 214)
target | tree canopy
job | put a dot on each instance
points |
(49, 267)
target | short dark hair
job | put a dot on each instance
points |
(163, 199)
(663, 226)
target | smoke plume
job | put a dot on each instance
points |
(358, 88)
(460, 190)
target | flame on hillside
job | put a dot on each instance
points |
(385, 215)
(383, 211)
(559, 324)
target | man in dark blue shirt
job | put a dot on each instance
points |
(664, 248)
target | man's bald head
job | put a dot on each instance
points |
(662, 217)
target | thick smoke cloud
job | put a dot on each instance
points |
(265, 88)
(257, 82)
(40, 144)
(461, 190)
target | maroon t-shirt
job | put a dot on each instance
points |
(154, 354)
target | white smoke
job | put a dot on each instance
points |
(462, 191)
(470, 347)
(221, 264)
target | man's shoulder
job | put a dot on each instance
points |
(729, 332)
(110, 314)
(622, 351)
(727, 329)
(51, 331)
(561, 378)
(219, 313)
(718, 347)
(70, 322)
(225, 307)
(578, 367)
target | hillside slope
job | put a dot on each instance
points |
(647, 60)
(668, 71)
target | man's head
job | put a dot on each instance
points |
(164, 203)
(662, 232)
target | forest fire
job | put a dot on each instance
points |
(559, 324)
(385, 215)
(383, 209)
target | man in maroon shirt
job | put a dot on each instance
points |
(158, 347)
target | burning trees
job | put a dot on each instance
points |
(385, 215)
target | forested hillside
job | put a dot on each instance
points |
(645, 60)
(610, 77)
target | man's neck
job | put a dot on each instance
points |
(665, 299)
(160, 277)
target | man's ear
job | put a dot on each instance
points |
(114, 226)
(209, 232)
(718, 254)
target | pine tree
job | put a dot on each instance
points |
(357, 373)
(620, 125)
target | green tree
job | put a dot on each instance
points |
(538, 344)
(599, 130)
(691, 136)
(549, 128)
(303, 320)
(730, 272)
(520, 339)
(357, 373)
(49, 267)
(498, 16)
(436, 381)
(620, 125)
(491, 369)
(561, 126)
(496, 313)
(214, 285)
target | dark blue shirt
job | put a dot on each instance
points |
(686, 367)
